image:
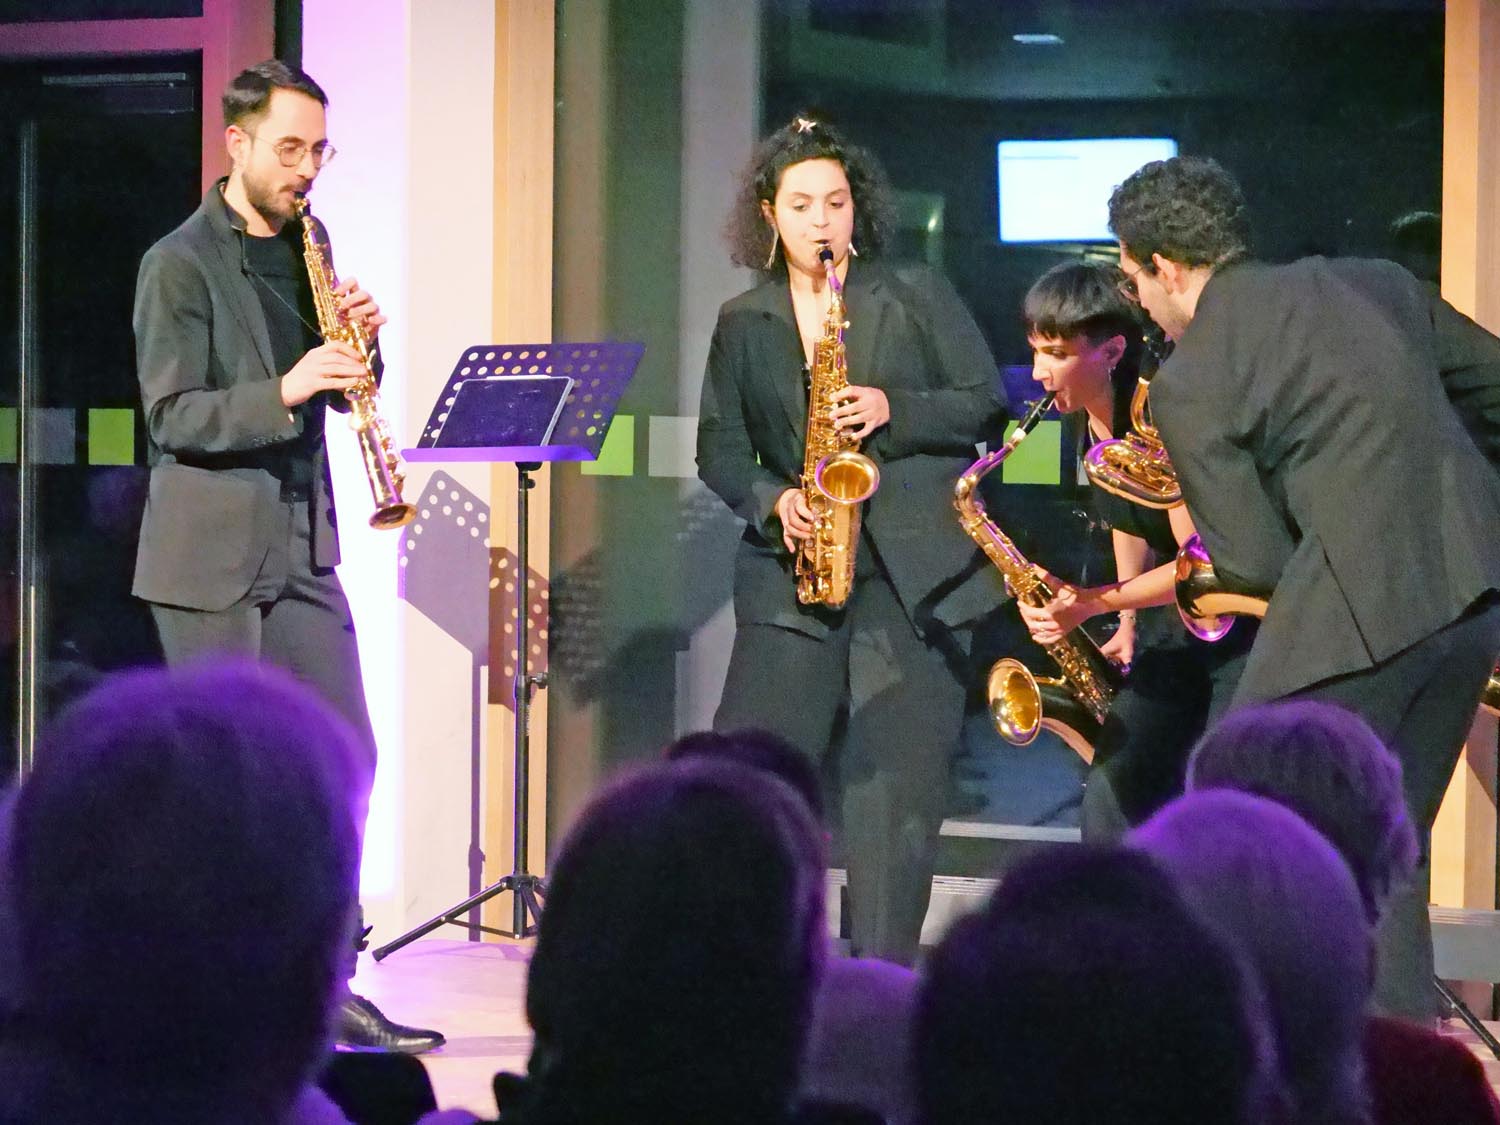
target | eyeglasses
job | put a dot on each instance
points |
(292, 153)
(1127, 284)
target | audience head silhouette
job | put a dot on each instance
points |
(758, 749)
(1085, 991)
(678, 952)
(1328, 767)
(1280, 891)
(183, 869)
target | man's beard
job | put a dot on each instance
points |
(273, 206)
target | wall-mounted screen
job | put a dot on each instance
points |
(1058, 191)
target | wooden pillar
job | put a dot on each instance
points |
(1463, 840)
(525, 45)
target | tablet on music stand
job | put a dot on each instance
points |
(481, 416)
(505, 410)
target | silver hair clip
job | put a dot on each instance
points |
(805, 125)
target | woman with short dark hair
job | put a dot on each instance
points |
(1088, 347)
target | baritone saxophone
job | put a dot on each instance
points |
(376, 449)
(836, 477)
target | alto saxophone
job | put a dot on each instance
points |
(376, 449)
(1136, 467)
(836, 477)
(1021, 703)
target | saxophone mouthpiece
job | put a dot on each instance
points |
(1038, 408)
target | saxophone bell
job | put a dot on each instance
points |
(847, 477)
(1022, 704)
(1207, 607)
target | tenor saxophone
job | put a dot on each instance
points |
(1136, 467)
(376, 449)
(836, 478)
(1206, 605)
(1208, 608)
(1021, 703)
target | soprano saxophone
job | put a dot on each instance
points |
(836, 478)
(376, 449)
(1021, 703)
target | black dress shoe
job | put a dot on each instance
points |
(362, 1024)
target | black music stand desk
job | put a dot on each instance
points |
(523, 404)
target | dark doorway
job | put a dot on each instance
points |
(106, 161)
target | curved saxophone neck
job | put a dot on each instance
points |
(1140, 409)
(965, 499)
(834, 324)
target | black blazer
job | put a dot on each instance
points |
(908, 334)
(218, 435)
(1307, 410)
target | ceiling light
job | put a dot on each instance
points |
(1038, 39)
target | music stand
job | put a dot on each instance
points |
(524, 404)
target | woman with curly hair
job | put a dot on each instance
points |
(921, 396)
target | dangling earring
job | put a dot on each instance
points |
(853, 253)
(775, 241)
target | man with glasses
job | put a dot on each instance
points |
(238, 541)
(1330, 420)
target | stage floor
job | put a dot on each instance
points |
(475, 994)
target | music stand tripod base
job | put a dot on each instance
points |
(496, 408)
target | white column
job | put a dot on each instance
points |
(409, 205)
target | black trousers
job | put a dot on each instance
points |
(1422, 702)
(296, 617)
(904, 713)
(1173, 692)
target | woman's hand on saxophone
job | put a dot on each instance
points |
(1050, 623)
(861, 412)
(796, 518)
(359, 305)
(1120, 648)
(328, 367)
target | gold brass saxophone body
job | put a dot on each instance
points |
(1136, 467)
(1208, 608)
(1074, 706)
(376, 449)
(836, 477)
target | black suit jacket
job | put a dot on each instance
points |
(218, 435)
(1307, 410)
(908, 334)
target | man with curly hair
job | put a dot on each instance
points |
(1327, 420)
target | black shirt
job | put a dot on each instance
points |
(279, 275)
